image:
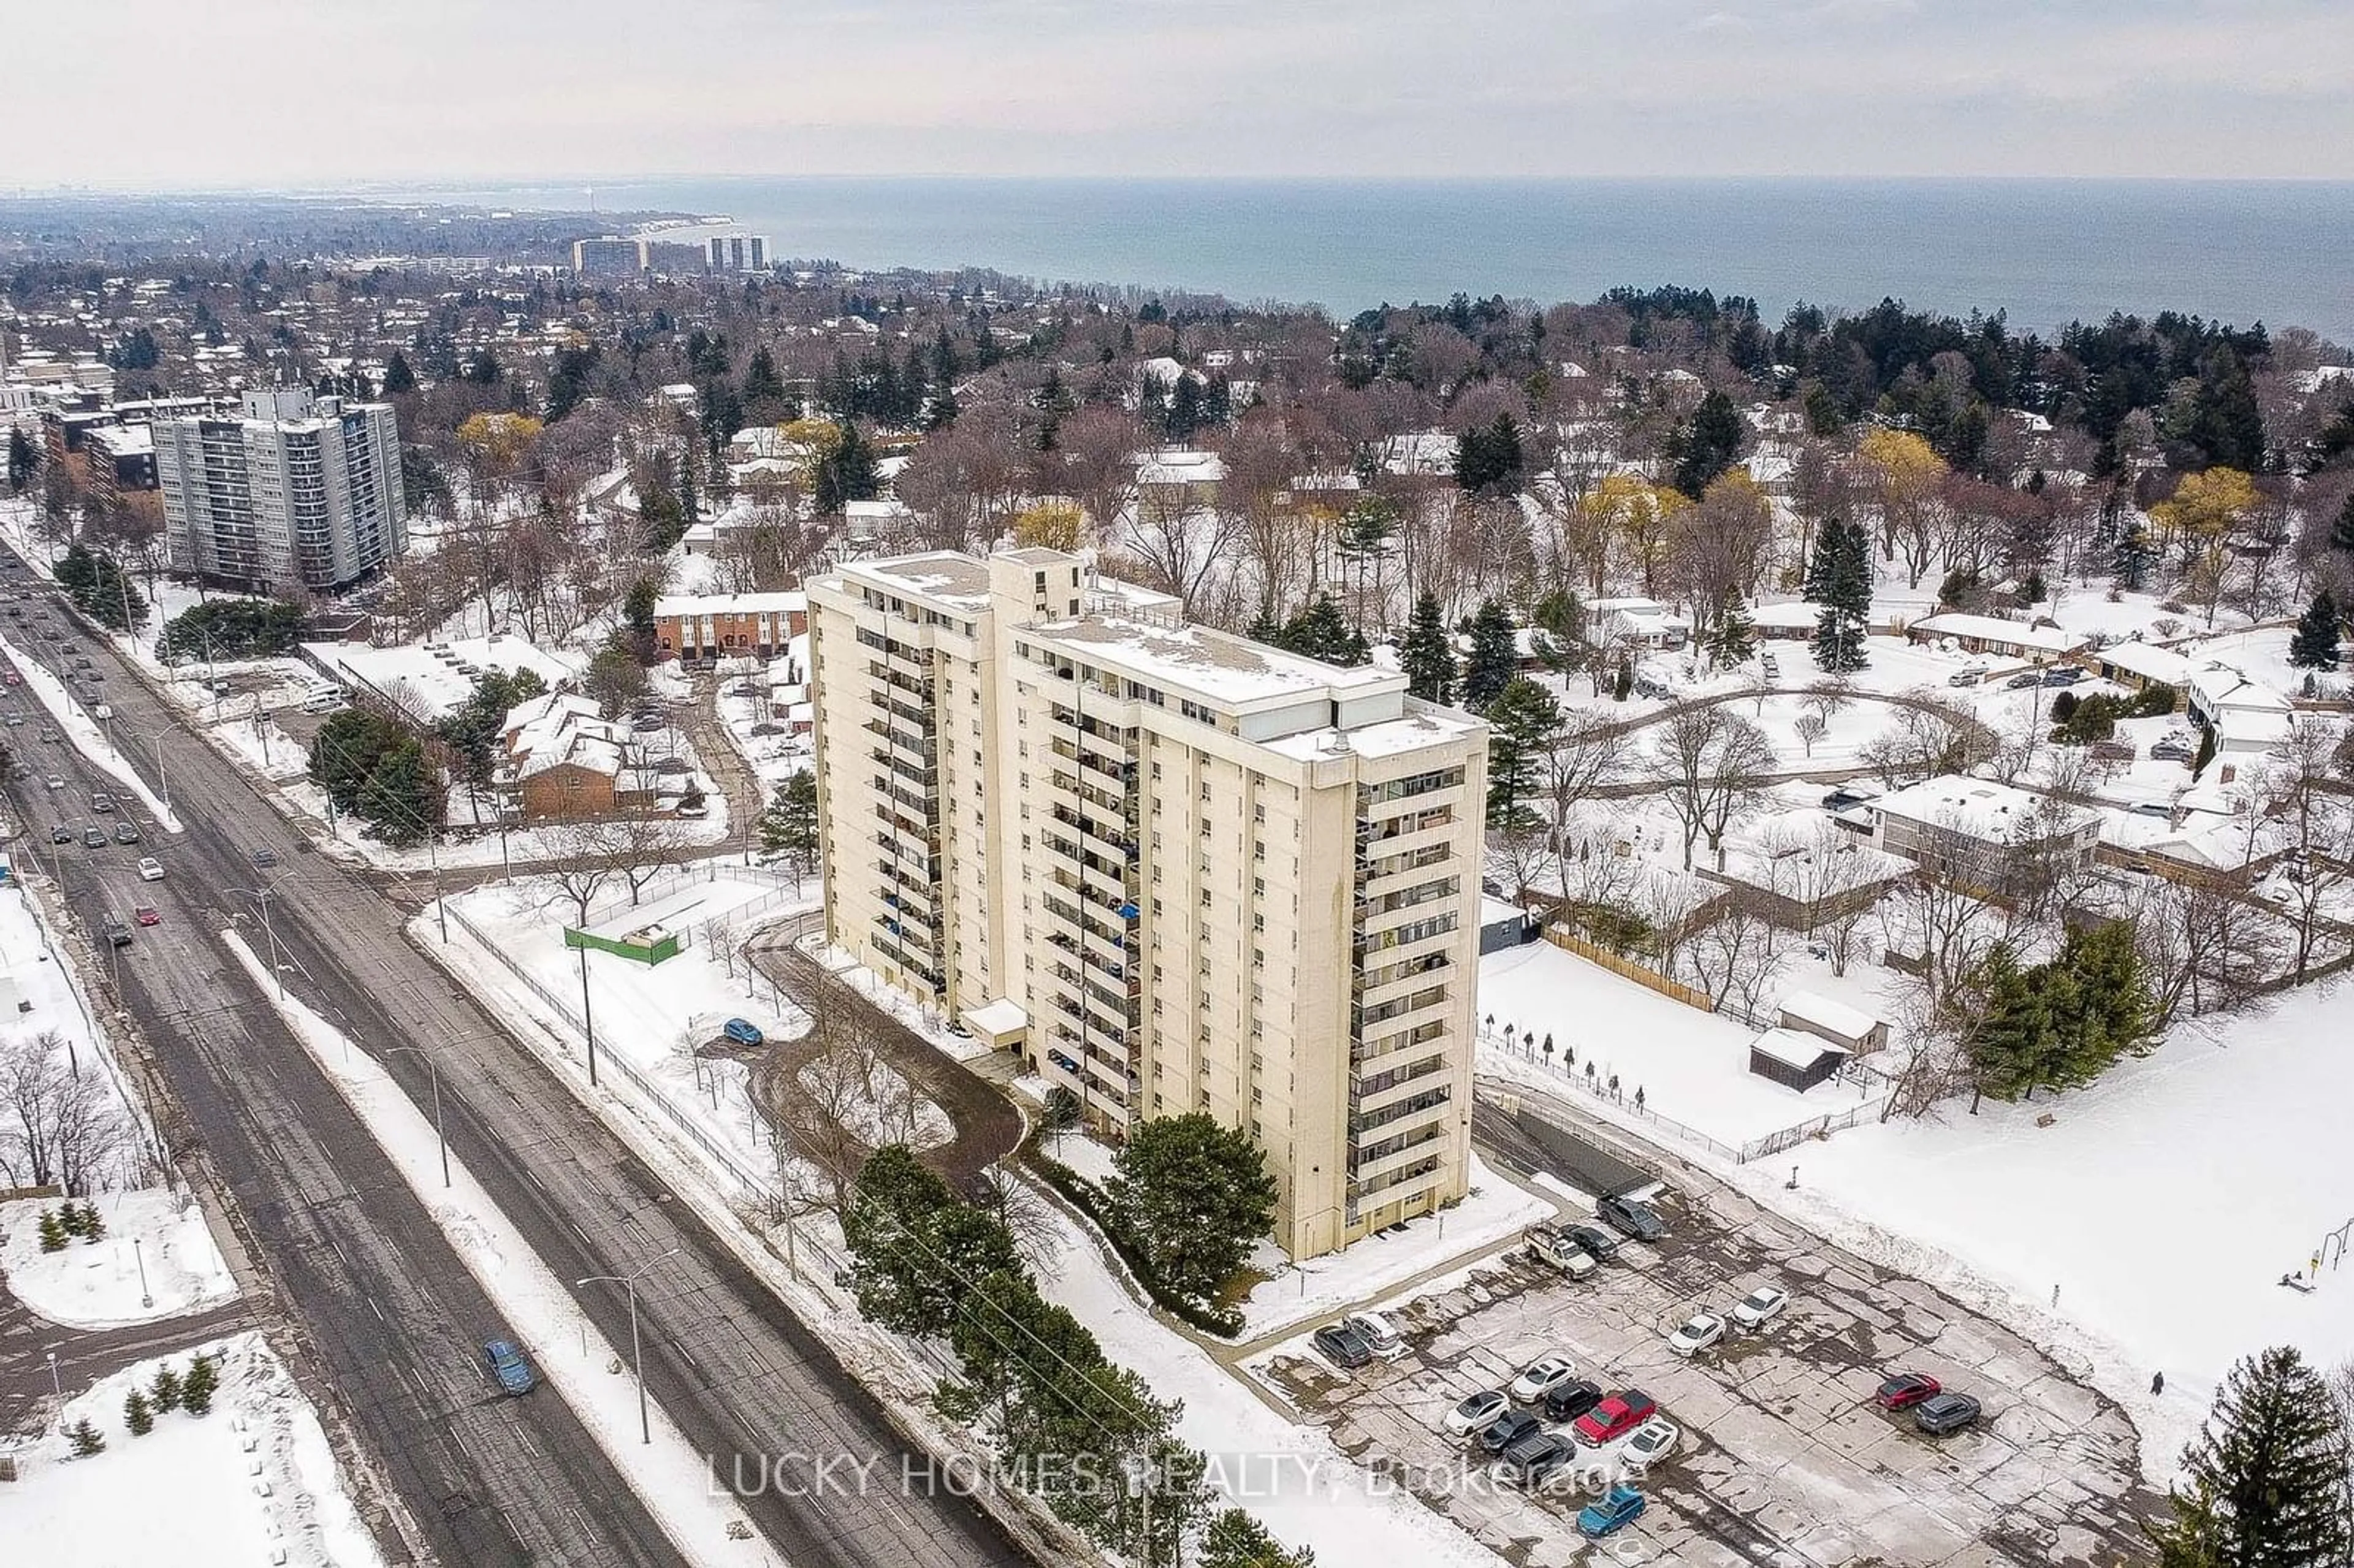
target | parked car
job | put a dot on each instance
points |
(93, 838)
(1615, 1417)
(743, 1031)
(1508, 1429)
(1385, 1340)
(265, 858)
(1761, 1306)
(1635, 1219)
(2174, 746)
(117, 933)
(1343, 1346)
(1969, 677)
(1539, 1376)
(1850, 795)
(61, 834)
(1475, 1413)
(1549, 1247)
(2063, 675)
(1946, 1413)
(695, 808)
(1568, 1400)
(507, 1365)
(1590, 1239)
(101, 803)
(1904, 1390)
(147, 915)
(1699, 1331)
(2023, 679)
(1534, 1459)
(54, 782)
(126, 832)
(1613, 1511)
(149, 868)
(1653, 1441)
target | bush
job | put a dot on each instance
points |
(1089, 1200)
(87, 1439)
(2153, 701)
(2064, 706)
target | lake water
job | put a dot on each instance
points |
(2047, 251)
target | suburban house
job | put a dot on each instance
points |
(2247, 717)
(872, 524)
(1851, 1029)
(1635, 623)
(2138, 666)
(1993, 634)
(1180, 476)
(697, 627)
(564, 760)
(1982, 833)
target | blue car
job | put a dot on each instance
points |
(1613, 1513)
(506, 1364)
(743, 1031)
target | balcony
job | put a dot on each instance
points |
(1368, 1164)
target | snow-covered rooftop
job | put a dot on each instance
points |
(2149, 662)
(1852, 1022)
(1994, 628)
(1213, 663)
(703, 604)
(945, 576)
(1981, 807)
(1794, 1048)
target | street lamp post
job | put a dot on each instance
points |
(261, 896)
(637, 1361)
(146, 1298)
(588, 1019)
(163, 779)
(439, 1136)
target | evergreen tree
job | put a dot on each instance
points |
(1520, 721)
(2341, 531)
(2265, 1477)
(1845, 594)
(1736, 636)
(2227, 426)
(2130, 566)
(1427, 654)
(402, 798)
(53, 1232)
(167, 1388)
(87, 1439)
(24, 459)
(2007, 1041)
(1236, 1540)
(1494, 657)
(1321, 632)
(789, 827)
(1822, 562)
(1487, 458)
(137, 1414)
(198, 1388)
(1706, 447)
(93, 1224)
(846, 473)
(71, 1217)
(764, 389)
(398, 377)
(1195, 1195)
(2315, 645)
(1622, 684)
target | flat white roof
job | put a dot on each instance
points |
(1995, 628)
(949, 575)
(1981, 807)
(1211, 663)
(2149, 662)
(1000, 1017)
(1835, 1016)
(425, 677)
(1794, 1048)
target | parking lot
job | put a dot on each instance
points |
(1784, 1459)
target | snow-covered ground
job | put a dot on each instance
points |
(48, 997)
(668, 1475)
(99, 1283)
(2146, 1228)
(85, 733)
(252, 1481)
(1291, 1476)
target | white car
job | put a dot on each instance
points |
(1654, 1440)
(1539, 1376)
(1761, 1307)
(1475, 1414)
(1700, 1330)
(1386, 1341)
(149, 868)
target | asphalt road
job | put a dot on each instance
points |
(388, 1301)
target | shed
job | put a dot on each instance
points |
(1851, 1029)
(1002, 1025)
(1794, 1058)
(1504, 926)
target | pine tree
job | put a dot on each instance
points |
(789, 827)
(87, 1439)
(53, 1232)
(1736, 634)
(1428, 653)
(1321, 632)
(1622, 684)
(167, 1389)
(1844, 587)
(24, 459)
(397, 377)
(2266, 1475)
(196, 1389)
(1706, 447)
(1236, 1540)
(2341, 532)
(1494, 657)
(402, 798)
(2007, 1043)
(2130, 567)
(138, 1414)
(2315, 645)
(71, 1217)
(93, 1224)
(1519, 722)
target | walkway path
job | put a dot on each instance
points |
(86, 1355)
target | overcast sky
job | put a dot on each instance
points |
(220, 92)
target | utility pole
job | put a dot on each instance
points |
(439, 1136)
(588, 1019)
(637, 1359)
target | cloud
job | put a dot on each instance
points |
(339, 90)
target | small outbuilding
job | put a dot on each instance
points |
(1794, 1058)
(1504, 926)
(1851, 1029)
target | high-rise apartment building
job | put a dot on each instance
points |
(1180, 870)
(607, 257)
(739, 252)
(298, 493)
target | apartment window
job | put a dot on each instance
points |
(1156, 773)
(1205, 788)
(1258, 814)
(1022, 748)
(1205, 898)
(1258, 955)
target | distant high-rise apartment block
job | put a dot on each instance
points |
(608, 256)
(1178, 870)
(739, 253)
(297, 492)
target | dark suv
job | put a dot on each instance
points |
(1637, 1220)
(1592, 1239)
(1568, 1400)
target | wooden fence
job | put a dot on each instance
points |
(1642, 975)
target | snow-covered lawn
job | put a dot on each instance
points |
(668, 1475)
(1495, 1211)
(884, 1108)
(2162, 1206)
(1692, 1066)
(97, 1285)
(1290, 1475)
(252, 1481)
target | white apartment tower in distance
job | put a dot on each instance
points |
(1183, 871)
(297, 492)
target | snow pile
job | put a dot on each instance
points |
(252, 1481)
(98, 1285)
(84, 732)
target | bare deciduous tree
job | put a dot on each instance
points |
(1713, 766)
(57, 1128)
